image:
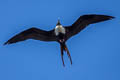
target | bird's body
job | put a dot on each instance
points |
(61, 33)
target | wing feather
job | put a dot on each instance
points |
(83, 21)
(33, 33)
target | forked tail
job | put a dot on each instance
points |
(64, 48)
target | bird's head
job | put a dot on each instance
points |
(58, 23)
(59, 28)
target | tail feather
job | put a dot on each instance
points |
(62, 55)
(64, 48)
(68, 53)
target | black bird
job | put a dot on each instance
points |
(61, 33)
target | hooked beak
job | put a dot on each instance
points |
(58, 23)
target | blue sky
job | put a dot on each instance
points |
(95, 51)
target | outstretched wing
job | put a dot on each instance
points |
(84, 21)
(33, 33)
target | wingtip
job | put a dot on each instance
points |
(109, 17)
(5, 43)
(112, 17)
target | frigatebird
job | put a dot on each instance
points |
(61, 33)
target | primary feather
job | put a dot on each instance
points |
(33, 33)
(84, 21)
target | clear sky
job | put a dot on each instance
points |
(95, 51)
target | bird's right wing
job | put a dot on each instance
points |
(84, 21)
(33, 33)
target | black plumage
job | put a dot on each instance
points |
(75, 28)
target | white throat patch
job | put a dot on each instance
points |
(59, 29)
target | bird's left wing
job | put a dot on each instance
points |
(33, 33)
(83, 21)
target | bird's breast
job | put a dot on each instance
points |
(59, 30)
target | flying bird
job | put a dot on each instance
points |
(60, 33)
